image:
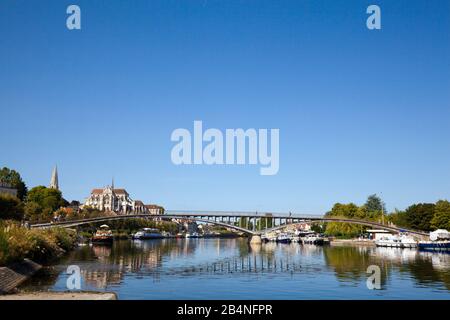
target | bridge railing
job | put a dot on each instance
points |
(259, 214)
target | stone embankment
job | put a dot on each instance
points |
(61, 296)
(14, 275)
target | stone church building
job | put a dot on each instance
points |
(115, 200)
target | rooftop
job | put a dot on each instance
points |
(117, 191)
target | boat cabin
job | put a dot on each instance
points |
(378, 234)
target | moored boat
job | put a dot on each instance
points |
(313, 239)
(434, 245)
(269, 237)
(147, 233)
(192, 235)
(396, 241)
(439, 241)
(103, 235)
(284, 238)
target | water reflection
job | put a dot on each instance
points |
(229, 264)
(423, 267)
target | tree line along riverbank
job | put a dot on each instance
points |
(40, 245)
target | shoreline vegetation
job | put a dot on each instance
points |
(40, 245)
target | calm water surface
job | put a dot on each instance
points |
(232, 269)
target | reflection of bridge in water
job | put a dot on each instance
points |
(237, 265)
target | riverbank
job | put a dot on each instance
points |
(22, 250)
(14, 275)
(61, 296)
(40, 245)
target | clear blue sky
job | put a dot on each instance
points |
(359, 111)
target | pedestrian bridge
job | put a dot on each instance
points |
(252, 223)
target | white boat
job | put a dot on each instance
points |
(396, 241)
(192, 235)
(147, 233)
(313, 239)
(302, 233)
(269, 237)
(440, 235)
(166, 234)
(439, 241)
(284, 238)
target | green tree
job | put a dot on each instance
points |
(399, 218)
(10, 207)
(264, 222)
(244, 223)
(374, 208)
(318, 227)
(345, 230)
(46, 197)
(13, 178)
(32, 211)
(375, 204)
(441, 217)
(349, 210)
(42, 202)
(419, 216)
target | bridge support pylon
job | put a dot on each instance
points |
(256, 239)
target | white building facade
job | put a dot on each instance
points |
(110, 199)
(118, 201)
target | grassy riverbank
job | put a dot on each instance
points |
(17, 243)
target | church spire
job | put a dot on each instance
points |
(54, 181)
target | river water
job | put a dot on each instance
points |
(233, 269)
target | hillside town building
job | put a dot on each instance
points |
(7, 189)
(118, 201)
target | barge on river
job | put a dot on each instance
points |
(103, 235)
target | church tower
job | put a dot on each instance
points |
(54, 181)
